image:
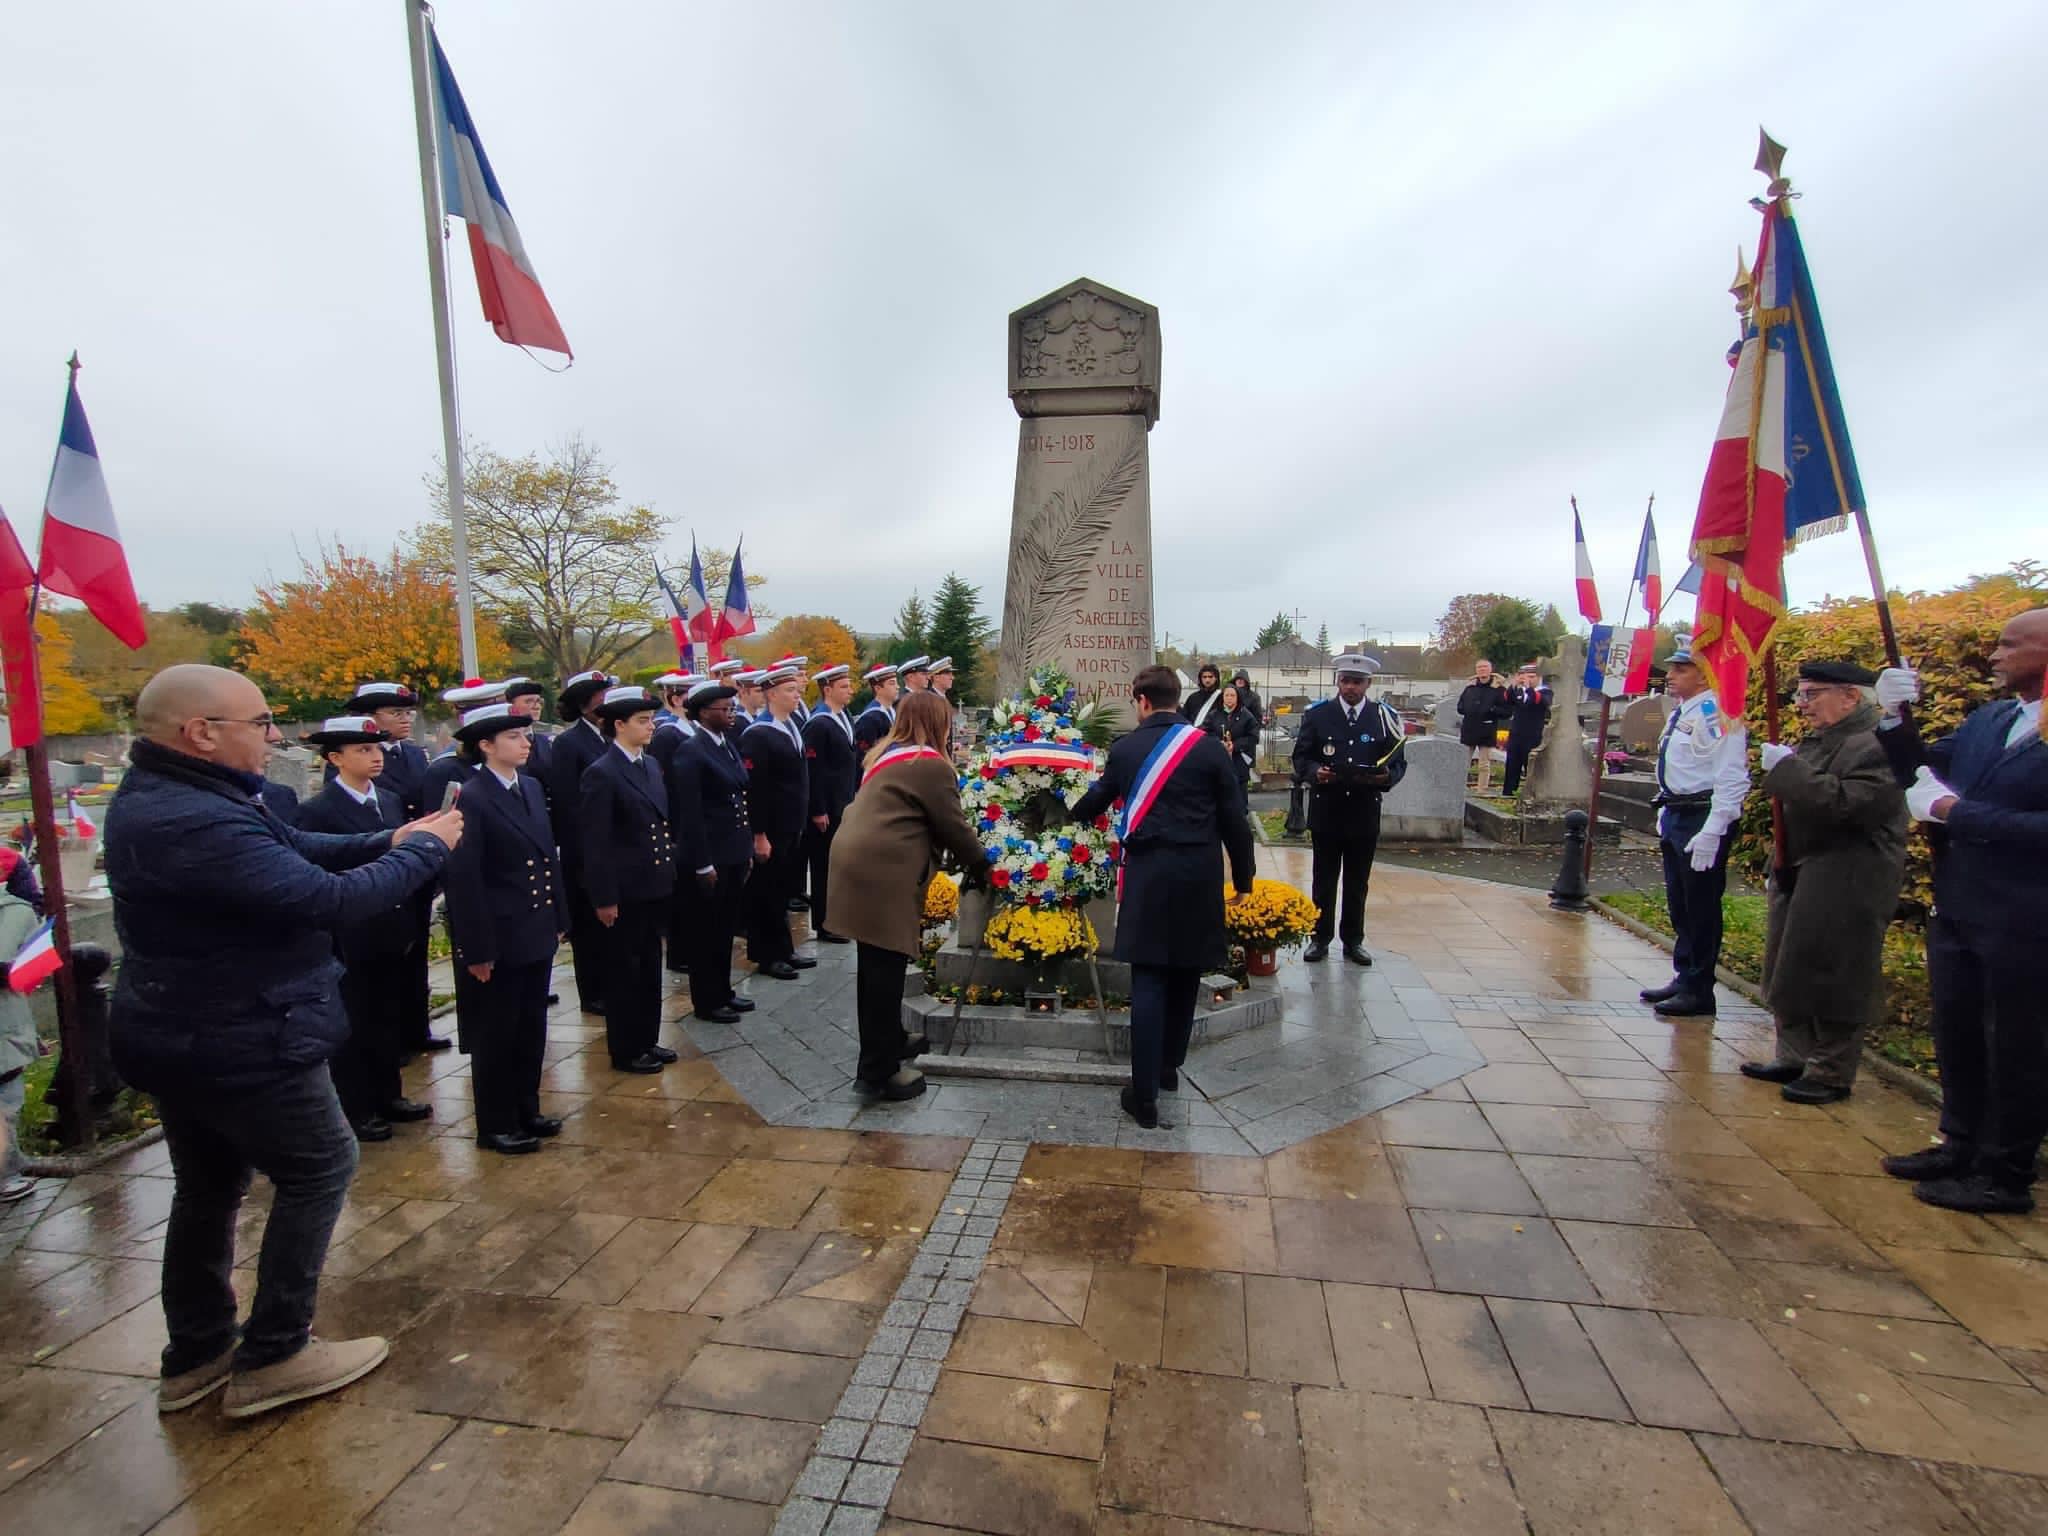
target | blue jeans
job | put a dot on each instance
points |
(294, 1133)
(1693, 897)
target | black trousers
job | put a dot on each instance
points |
(587, 946)
(1162, 1018)
(1991, 1043)
(508, 1032)
(1693, 898)
(414, 1028)
(1518, 764)
(818, 860)
(767, 905)
(376, 993)
(709, 921)
(878, 1002)
(1343, 855)
(632, 975)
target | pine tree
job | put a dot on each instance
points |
(957, 629)
(1279, 628)
(1323, 639)
(910, 627)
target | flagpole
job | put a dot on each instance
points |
(1606, 711)
(417, 13)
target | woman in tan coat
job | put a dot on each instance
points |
(906, 811)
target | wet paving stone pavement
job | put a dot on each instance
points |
(1479, 1244)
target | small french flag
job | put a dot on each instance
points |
(1648, 576)
(1589, 599)
(38, 960)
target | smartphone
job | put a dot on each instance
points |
(449, 796)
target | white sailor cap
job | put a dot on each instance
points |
(628, 700)
(914, 664)
(475, 691)
(774, 675)
(369, 696)
(942, 664)
(346, 730)
(677, 682)
(831, 674)
(1356, 662)
(751, 678)
(489, 720)
(880, 674)
(799, 662)
(725, 668)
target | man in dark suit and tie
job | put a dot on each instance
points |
(834, 769)
(1983, 792)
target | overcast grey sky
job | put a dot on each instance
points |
(1422, 271)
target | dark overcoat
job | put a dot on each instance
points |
(1845, 841)
(1481, 708)
(887, 849)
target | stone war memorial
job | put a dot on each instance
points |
(1084, 377)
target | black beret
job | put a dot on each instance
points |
(1840, 672)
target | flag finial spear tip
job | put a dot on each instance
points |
(74, 365)
(1770, 160)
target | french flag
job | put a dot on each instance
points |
(1589, 599)
(38, 960)
(675, 617)
(513, 302)
(698, 618)
(1648, 576)
(735, 618)
(82, 555)
(18, 641)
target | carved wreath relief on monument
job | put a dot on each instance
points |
(1076, 320)
(1053, 555)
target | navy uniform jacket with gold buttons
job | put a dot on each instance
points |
(397, 928)
(1350, 801)
(505, 899)
(628, 851)
(707, 797)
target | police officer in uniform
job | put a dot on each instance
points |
(834, 769)
(778, 807)
(1349, 753)
(581, 743)
(879, 717)
(385, 955)
(506, 913)
(707, 796)
(629, 875)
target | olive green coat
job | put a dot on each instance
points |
(1845, 835)
(887, 847)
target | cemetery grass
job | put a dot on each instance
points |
(131, 1113)
(1901, 1036)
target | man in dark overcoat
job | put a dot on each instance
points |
(1845, 859)
(1482, 706)
(1180, 817)
(1349, 752)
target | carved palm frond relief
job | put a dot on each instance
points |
(1052, 558)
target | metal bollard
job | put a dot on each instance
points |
(1569, 893)
(89, 966)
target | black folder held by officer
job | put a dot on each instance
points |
(707, 797)
(629, 876)
(1350, 754)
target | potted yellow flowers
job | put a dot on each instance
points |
(1275, 916)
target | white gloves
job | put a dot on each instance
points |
(1704, 848)
(1896, 686)
(1926, 790)
(1773, 753)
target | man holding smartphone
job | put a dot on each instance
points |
(1349, 753)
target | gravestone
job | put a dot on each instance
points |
(1428, 805)
(1561, 771)
(1642, 723)
(1447, 717)
(1084, 377)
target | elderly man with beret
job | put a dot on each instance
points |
(1832, 898)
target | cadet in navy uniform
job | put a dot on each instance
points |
(778, 807)
(876, 720)
(384, 956)
(452, 767)
(672, 725)
(1528, 712)
(1170, 924)
(800, 712)
(506, 913)
(393, 706)
(834, 768)
(1983, 793)
(747, 708)
(629, 876)
(707, 799)
(1349, 752)
(581, 743)
(527, 699)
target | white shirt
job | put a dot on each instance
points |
(509, 780)
(1691, 762)
(626, 752)
(2026, 723)
(366, 796)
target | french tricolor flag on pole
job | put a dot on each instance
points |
(1589, 599)
(1648, 576)
(735, 618)
(513, 302)
(81, 555)
(698, 617)
(38, 960)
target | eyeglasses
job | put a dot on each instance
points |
(263, 722)
(1808, 695)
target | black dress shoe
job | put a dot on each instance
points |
(1144, 1111)
(781, 970)
(799, 904)
(827, 936)
(1976, 1192)
(1774, 1071)
(434, 1043)
(503, 1141)
(544, 1126)
(1807, 1091)
(595, 1009)
(646, 1064)
(914, 1047)
(1947, 1161)
(662, 1054)
(718, 1015)
(1356, 954)
(740, 1004)
(554, 998)
(376, 1128)
(1169, 1081)
(1658, 994)
(1318, 949)
(803, 962)
(908, 1083)
(405, 1111)
(1683, 1005)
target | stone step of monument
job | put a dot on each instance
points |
(1024, 1069)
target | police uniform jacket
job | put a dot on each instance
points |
(396, 929)
(405, 772)
(833, 763)
(1528, 713)
(1172, 909)
(875, 722)
(505, 897)
(707, 797)
(1350, 751)
(573, 751)
(778, 782)
(623, 833)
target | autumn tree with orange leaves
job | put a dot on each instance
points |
(349, 619)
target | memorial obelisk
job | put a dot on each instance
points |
(1084, 377)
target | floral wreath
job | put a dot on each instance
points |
(1038, 747)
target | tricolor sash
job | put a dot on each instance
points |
(902, 754)
(1165, 758)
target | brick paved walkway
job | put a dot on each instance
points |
(1588, 1279)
